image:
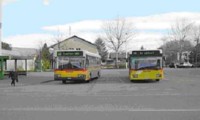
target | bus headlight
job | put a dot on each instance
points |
(135, 75)
(81, 76)
(158, 75)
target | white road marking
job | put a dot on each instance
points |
(102, 108)
(166, 110)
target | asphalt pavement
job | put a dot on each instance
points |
(112, 97)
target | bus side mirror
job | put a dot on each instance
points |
(164, 58)
(158, 62)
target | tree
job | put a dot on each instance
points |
(6, 46)
(170, 50)
(142, 48)
(181, 32)
(101, 47)
(45, 52)
(45, 55)
(117, 33)
(42, 61)
(59, 37)
(196, 37)
(195, 55)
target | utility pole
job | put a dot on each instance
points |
(181, 42)
(196, 55)
(70, 31)
(0, 26)
(126, 55)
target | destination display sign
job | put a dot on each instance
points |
(70, 53)
(147, 53)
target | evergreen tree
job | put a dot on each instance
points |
(45, 56)
(5, 46)
(142, 48)
(45, 52)
(101, 48)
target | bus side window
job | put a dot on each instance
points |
(158, 63)
(136, 64)
(87, 62)
(82, 63)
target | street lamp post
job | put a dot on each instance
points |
(196, 55)
(126, 55)
(0, 25)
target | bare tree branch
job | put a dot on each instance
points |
(59, 37)
(117, 33)
(181, 33)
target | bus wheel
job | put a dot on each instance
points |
(64, 81)
(157, 80)
(131, 81)
(87, 81)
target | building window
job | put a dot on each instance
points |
(78, 48)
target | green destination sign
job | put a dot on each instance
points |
(70, 53)
(146, 53)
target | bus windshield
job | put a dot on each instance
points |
(145, 63)
(70, 62)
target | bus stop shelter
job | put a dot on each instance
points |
(16, 55)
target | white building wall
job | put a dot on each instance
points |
(20, 65)
(10, 65)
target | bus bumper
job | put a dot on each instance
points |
(69, 79)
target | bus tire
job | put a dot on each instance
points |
(64, 81)
(157, 80)
(87, 81)
(90, 76)
(131, 81)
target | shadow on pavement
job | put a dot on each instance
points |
(144, 81)
(47, 81)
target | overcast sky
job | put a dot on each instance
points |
(28, 23)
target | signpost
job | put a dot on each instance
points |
(0, 24)
(2, 58)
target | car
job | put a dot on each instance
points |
(172, 65)
(185, 65)
(196, 65)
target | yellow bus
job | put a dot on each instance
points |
(71, 65)
(146, 65)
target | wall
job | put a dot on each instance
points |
(77, 43)
(20, 65)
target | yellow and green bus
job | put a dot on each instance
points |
(76, 65)
(146, 65)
